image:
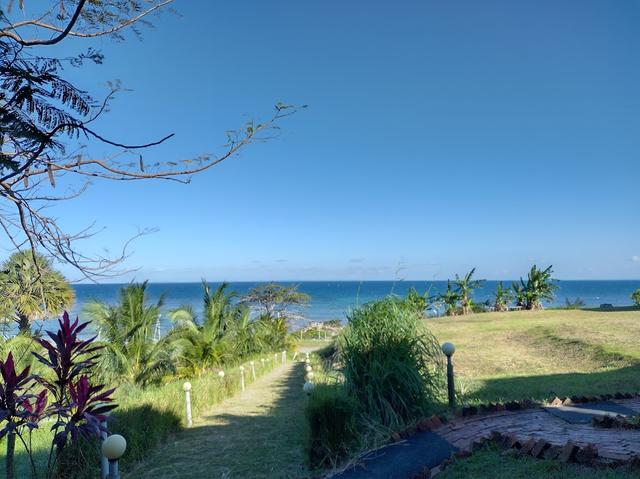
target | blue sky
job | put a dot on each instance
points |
(439, 136)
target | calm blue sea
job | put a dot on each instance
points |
(332, 300)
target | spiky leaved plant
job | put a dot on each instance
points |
(450, 300)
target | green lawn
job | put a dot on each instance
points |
(491, 464)
(540, 354)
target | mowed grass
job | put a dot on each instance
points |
(541, 354)
(491, 464)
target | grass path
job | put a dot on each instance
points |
(257, 434)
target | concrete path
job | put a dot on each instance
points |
(256, 434)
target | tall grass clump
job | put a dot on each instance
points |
(332, 416)
(391, 365)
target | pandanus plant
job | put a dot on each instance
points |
(65, 394)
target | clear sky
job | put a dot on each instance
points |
(439, 136)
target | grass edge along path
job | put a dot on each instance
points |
(258, 433)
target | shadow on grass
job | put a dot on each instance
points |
(626, 379)
(262, 435)
(143, 426)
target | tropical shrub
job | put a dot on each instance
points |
(635, 297)
(332, 416)
(450, 300)
(502, 298)
(65, 396)
(538, 288)
(390, 365)
(578, 303)
(464, 289)
(31, 289)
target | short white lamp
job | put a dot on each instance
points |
(113, 448)
(309, 376)
(308, 368)
(221, 374)
(187, 398)
(308, 388)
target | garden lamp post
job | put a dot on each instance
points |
(253, 370)
(448, 349)
(242, 378)
(113, 448)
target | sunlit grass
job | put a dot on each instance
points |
(539, 354)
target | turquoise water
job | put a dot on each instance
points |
(333, 299)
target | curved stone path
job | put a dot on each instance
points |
(614, 444)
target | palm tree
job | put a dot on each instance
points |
(31, 289)
(450, 300)
(127, 332)
(502, 297)
(465, 287)
(539, 287)
(201, 345)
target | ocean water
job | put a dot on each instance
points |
(334, 299)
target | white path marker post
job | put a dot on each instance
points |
(253, 370)
(275, 359)
(284, 357)
(187, 398)
(262, 361)
(242, 378)
(104, 462)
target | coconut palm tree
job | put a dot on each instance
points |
(127, 332)
(464, 288)
(539, 287)
(31, 289)
(502, 297)
(450, 300)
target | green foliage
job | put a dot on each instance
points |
(30, 289)
(417, 302)
(126, 330)
(539, 287)
(578, 303)
(450, 300)
(333, 427)
(390, 366)
(635, 297)
(502, 298)
(464, 289)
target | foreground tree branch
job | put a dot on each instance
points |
(47, 133)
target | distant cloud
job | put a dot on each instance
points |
(635, 259)
(281, 261)
(356, 260)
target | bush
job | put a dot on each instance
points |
(333, 430)
(391, 366)
(635, 297)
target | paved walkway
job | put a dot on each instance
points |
(256, 434)
(611, 443)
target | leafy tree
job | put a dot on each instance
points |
(502, 297)
(126, 331)
(538, 288)
(635, 297)
(450, 300)
(275, 300)
(31, 289)
(47, 122)
(464, 288)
